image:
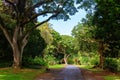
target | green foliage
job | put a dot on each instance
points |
(46, 33)
(36, 45)
(5, 52)
(33, 62)
(94, 60)
(50, 59)
(112, 77)
(107, 25)
(103, 20)
(57, 66)
(83, 38)
(39, 61)
(88, 58)
(67, 44)
(112, 64)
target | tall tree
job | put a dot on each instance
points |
(16, 16)
(105, 20)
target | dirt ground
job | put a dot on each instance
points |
(55, 74)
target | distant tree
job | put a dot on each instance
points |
(66, 47)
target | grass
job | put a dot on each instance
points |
(86, 66)
(112, 77)
(22, 74)
(57, 66)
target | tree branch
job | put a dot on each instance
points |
(11, 3)
(38, 4)
(36, 15)
(39, 14)
(5, 31)
(28, 32)
(45, 20)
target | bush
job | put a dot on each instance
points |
(39, 61)
(50, 59)
(118, 61)
(70, 61)
(111, 64)
(29, 61)
(94, 60)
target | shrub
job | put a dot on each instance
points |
(70, 61)
(111, 64)
(94, 60)
(50, 59)
(39, 61)
(118, 62)
(29, 61)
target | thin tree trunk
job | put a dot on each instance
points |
(100, 51)
(65, 60)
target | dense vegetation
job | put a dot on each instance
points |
(24, 41)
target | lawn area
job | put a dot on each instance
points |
(22, 74)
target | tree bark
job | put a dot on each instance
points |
(100, 51)
(66, 58)
(19, 42)
(17, 54)
(17, 57)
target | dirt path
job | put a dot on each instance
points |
(70, 72)
(88, 75)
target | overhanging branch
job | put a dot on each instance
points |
(45, 21)
(39, 14)
(38, 4)
(11, 3)
(28, 32)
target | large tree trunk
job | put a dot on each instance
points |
(18, 44)
(18, 41)
(17, 57)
